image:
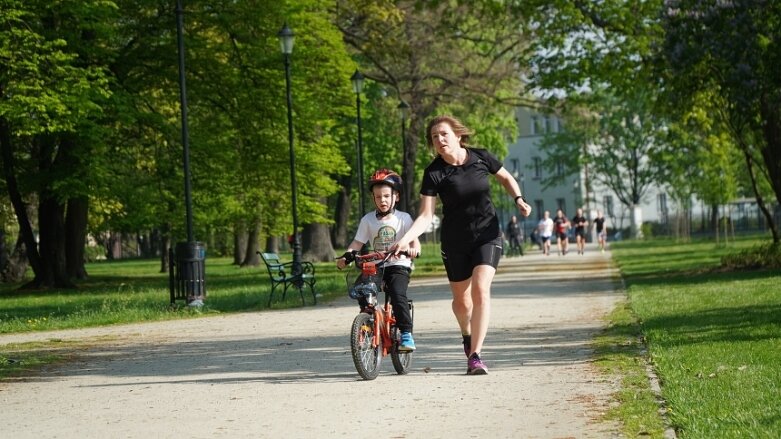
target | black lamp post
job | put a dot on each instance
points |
(183, 107)
(357, 80)
(186, 265)
(286, 45)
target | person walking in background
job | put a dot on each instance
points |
(515, 236)
(545, 230)
(601, 228)
(380, 229)
(580, 223)
(562, 225)
(471, 235)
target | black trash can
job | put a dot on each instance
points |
(190, 272)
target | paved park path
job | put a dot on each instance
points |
(289, 374)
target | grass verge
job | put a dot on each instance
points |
(713, 336)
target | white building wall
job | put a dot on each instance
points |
(569, 192)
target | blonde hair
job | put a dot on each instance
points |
(459, 129)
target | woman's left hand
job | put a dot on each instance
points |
(524, 208)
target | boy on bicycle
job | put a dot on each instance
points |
(380, 230)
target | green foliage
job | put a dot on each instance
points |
(725, 50)
(765, 256)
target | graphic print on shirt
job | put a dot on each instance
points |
(386, 236)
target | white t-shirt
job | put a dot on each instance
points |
(546, 227)
(381, 234)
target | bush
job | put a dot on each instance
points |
(762, 256)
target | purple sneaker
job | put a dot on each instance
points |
(475, 366)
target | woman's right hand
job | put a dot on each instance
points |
(399, 248)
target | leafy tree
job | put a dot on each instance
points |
(51, 95)
(731, 48)
(617, 141)
(434, 54)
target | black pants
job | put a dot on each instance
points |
(515, 246)
(395, 281)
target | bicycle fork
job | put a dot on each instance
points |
(383, 320)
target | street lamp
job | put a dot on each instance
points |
(286, 45)
(186, 265)
(357, 80)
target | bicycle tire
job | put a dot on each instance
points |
(401, 360)
(367, 358)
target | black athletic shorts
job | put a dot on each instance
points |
(460, 263)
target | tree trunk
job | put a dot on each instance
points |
(409, 194)
(758, 196)
(76, 237)
(14, 266)
(272, 244)
(20, 208)
(317, 243)
(771, 153)
(51, 225)
(714, 220)
(251, 257)
(239, 242)
(165, 247)
(340, 236)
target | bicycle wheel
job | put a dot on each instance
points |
(367, 358)
(401, 360)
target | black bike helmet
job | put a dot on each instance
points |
(387, 177)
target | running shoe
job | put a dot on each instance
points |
(475, 366)
(407, 342)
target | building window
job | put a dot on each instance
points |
(561, 203)
(559, 169)
(533, 125)
(537, 167)
(516, 168)
(548, 125)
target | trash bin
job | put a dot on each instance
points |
(190, 270)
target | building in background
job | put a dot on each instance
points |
(525, 162)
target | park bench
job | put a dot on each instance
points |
(281, 273)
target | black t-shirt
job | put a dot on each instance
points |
(469, 216)
(600, 222)
(577, 220)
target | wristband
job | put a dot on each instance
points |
(521, 197)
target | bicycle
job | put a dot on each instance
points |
(374, 334)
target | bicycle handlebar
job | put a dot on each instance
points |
(383, 256)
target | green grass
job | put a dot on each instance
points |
(128, 291)
(713, 336)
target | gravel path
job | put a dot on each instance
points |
(289, 373)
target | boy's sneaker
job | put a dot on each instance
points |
(407, 342)
(475, 366)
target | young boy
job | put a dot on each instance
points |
(380, 229)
